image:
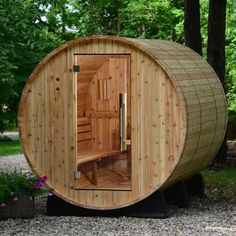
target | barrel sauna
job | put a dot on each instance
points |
(111, 120)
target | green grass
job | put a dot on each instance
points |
(222, 182)
(10, 148)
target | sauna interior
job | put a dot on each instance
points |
(103, 122)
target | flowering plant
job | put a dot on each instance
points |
(15, 183)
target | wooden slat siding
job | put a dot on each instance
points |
(158, 52)
(215, 92)
(65, 87)
(49, 123)
(41, 96)
(178, 135)
(156, 155)
(113, 103)
(170, 149)
(83, 128)
(95, 127)
(63, 120)
(142, 160)
(135, 122)
(103, 114)
(129, 99)
(108, 133)
(58, 111)
(207, 65)
(28, 121)
(46, 126)
(108, 82)
(105, 89)
(162, 123)
(100, 85)
(168, 141)
(35, 123)
(85, 77)
(84, 136)
(148, 129)
(41, 111)
(82, 121)
(67, 106)
(206, 102)
(99, 106)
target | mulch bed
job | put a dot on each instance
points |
(229, 162)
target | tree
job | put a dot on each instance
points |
(216, 37)
(23, 42)
(216, 49)
(152, 19)
(192, 31)
(97, 17)
(230, 79)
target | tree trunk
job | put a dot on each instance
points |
(216, 50)
(192, 33)
(216, 37)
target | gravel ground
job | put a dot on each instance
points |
(203, 217)
(10, 135)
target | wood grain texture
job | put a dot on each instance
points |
(177, 115)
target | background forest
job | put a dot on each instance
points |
(30, 29)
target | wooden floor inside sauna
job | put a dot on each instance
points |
(107, 180)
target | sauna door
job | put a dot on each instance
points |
(103, 122)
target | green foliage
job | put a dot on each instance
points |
(30, 29)
(14, 183)
(152, 19)
(97, 17)
(231, 55)
(8, 147)
(16, 47)
(230, 76)
(24, 40)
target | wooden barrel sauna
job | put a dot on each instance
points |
(111, 120)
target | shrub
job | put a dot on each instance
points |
(15, 183)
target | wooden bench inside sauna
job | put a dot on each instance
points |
(103, 122)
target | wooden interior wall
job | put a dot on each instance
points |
(100, 81)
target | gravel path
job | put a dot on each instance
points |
(10, 135)
(211, 217)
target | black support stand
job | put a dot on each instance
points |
(195, 186)
(177, 195)
(154, 206)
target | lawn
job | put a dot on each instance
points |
(221, 182)
(10, 148)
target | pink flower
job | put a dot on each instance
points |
(38, 185)
(50, 194)
(42, 179)
(30, 198)
(2, 205)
